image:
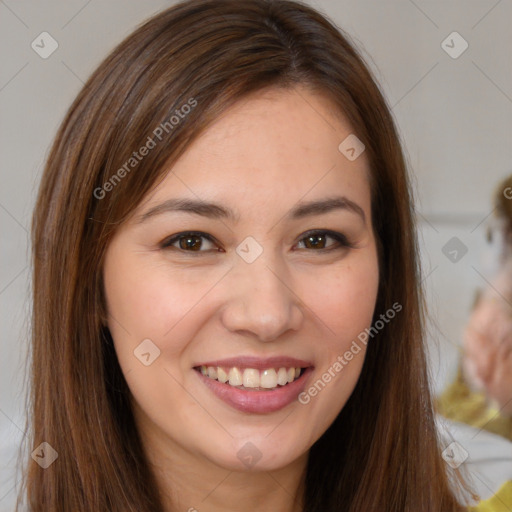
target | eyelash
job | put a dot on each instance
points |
(341, 239)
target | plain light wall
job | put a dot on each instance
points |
(454, 115)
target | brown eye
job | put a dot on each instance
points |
(315, 241)
(319, 240)
(189, 242)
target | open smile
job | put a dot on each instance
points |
(256, 385)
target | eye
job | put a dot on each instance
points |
(190, 241)
(194, 241)
(317, 239)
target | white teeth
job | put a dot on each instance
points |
(222, 376)
(252, 378)
(235, 377)
(282, 376)
(268, 378)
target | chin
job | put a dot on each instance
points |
(259, 453)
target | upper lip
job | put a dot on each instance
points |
(258, 363)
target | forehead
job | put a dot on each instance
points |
(275, 146)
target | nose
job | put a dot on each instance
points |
(262, 302)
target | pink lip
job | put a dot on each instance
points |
(258, 363)
(257, 402)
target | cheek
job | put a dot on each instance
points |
(152, 301)
(148, 300)
(345, 302)
(344, 298)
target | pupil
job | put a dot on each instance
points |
(310, 241)
(190, 243)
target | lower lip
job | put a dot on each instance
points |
(258, 402)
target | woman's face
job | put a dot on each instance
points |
(283, 275)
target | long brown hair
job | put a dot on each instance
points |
(382, 451)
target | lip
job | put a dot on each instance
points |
(258, 363)
(257, 402)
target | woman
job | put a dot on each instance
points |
(227, 311)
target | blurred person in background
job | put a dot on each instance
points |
(481, 395)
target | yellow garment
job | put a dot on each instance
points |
(500, 502)
(459, 403)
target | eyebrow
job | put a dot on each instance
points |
(216, 211)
